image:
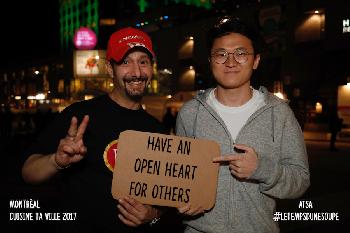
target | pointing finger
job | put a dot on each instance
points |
(227, 158)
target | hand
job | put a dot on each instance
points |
(190, 211)
(71, 149)
(241, 165)
(133, 213)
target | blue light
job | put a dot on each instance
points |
(138, 25)
(165, 17)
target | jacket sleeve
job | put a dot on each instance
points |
(287, 175)
(186, 119)
(180, 129)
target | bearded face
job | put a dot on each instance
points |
(132, 74)
(135, 87)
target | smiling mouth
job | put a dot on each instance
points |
(135, 80)
(231, 71)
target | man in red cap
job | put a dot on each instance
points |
(74, 147)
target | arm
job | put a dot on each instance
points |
(181, 130)
(288, 176)
(38, 167)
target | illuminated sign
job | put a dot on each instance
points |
(143, 4)
(90, 63)
(346, 25)
(85, 38)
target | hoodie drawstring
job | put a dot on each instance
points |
(195, 122)
(273, 125)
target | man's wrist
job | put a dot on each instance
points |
(156, 218)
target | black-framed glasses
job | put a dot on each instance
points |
(240, 55)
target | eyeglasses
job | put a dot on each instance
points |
(240, 55)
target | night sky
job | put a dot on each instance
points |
(30, 31)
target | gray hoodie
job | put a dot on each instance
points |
(282, 172)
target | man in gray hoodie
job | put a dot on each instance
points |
(263, 154)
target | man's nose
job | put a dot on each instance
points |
(231, 60)
(136, 70)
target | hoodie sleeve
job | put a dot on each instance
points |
(180, 128)
(186, 119)
(288, 176)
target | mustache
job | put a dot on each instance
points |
(135, 79)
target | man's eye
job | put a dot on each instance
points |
(241, 52)
(220, 54)
(125, 62)
(144, 62)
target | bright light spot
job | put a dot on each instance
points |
(347, 87)
(316, 12)
(36, 72)
(168, 96)
(279, 95)
(40, 96)
(87, 97)
(318, 107)
(31, 97)
(191, 38)
(191, 67)
(166, 17)
(17, 97)
(167, 71)
(224, 20)
(97, 57)
(111, 85)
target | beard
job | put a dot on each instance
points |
(135, 88)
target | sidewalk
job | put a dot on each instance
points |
(320, 132)
(323, 136)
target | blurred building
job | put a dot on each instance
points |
(307, 44)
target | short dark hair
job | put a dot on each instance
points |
(229, 24)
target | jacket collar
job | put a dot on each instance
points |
(269, 98)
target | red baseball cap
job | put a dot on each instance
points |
(125, 39)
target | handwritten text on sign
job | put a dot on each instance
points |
(165, 170)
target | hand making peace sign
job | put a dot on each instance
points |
(71, 149)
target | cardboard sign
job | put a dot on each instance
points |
(166, 170)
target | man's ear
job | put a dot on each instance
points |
(109, 68)
(256, 61)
